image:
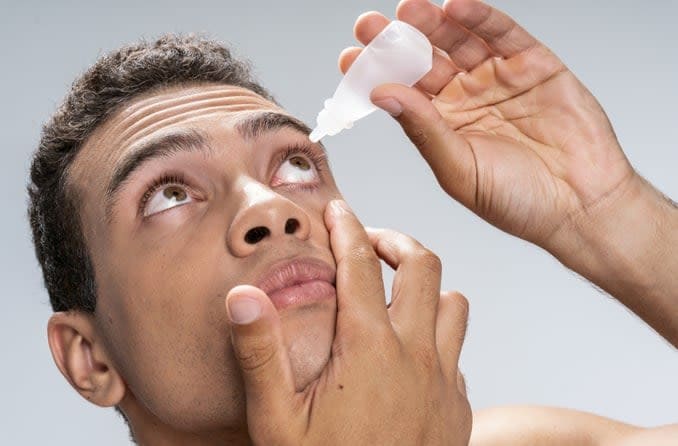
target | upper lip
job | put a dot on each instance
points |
(295, 272)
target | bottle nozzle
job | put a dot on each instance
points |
(317, 134)
(330, 122)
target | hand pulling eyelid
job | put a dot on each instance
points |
(400, 54)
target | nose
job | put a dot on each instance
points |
(265, 216)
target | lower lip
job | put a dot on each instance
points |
(303, 294)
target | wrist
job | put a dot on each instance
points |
(613, 239)
(626, 245)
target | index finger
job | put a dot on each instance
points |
(416, 284)
(360, 288)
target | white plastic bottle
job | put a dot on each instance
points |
(400, 54)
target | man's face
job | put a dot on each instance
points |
(185, 194)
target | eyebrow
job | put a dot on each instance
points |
(255, 125)
(167, 145)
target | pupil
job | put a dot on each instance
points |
(174, 192)
(300, 162)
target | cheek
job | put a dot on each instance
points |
(167, 326)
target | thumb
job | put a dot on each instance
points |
(261, 354)
(448, 154)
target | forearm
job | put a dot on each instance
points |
(532, 425)
(628, 245)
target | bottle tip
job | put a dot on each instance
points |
(316, 134)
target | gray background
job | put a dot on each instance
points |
(538, 334)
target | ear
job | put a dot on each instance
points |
(82, 359)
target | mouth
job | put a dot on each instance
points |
(299, 282)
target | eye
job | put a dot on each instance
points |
(166, 197)
(294, 170)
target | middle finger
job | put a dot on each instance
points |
(416, 284)
(464, 48)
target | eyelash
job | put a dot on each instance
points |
(318, 160)
(159, 182)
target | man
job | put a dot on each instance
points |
(167, 179)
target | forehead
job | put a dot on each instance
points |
(215, 108)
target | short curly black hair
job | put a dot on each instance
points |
(114, 80)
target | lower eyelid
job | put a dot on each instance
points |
(310, 187)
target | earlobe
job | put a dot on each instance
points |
(82, 359)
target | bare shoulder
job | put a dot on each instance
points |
(533, 425)
(658, 436)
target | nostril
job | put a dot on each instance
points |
(291, 226)
(255, 235)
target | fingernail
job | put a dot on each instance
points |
(339, 207)
(390, 105)
(243, 310)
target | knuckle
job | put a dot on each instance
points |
(255, 355)
(404, 240)
(458, 311)
(388, 242)
(398, 237)
(461, 303)
(461, 383)
(429, 261)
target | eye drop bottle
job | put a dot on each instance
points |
(400, 54)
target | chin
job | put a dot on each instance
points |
(309, 333)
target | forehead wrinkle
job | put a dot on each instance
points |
(167, 112)
(161, 99)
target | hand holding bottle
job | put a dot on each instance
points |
(400, 53)
(513, 135)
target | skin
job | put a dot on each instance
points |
(166, 343)
(533, 426)
(512, 134)
(545, 425)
